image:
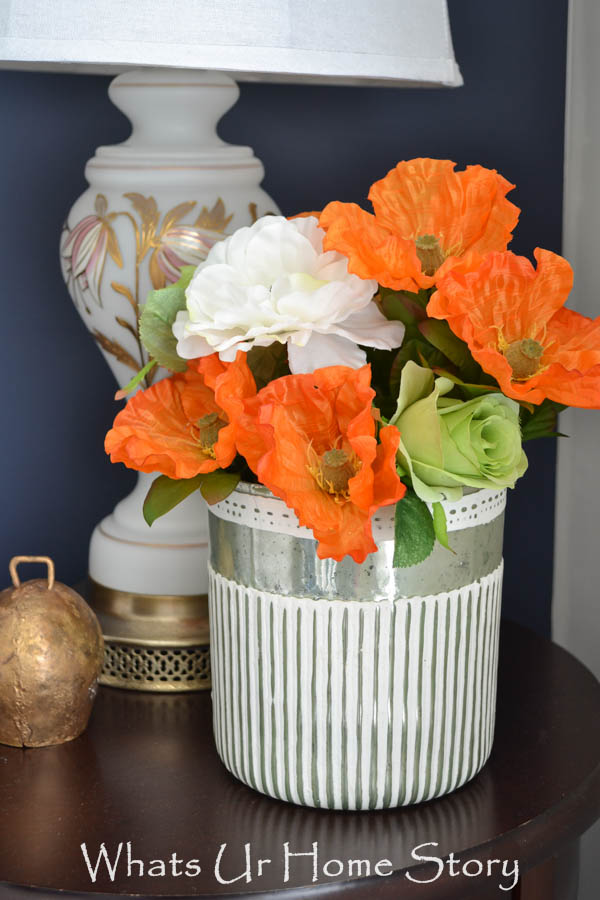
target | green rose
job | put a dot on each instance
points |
(448, 444)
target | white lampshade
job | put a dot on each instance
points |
(394, 42)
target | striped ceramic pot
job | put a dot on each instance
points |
(352, 686)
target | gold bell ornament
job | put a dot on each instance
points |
(51, 654)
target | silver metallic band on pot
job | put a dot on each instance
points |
(286, 564)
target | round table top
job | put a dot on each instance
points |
(146, 774)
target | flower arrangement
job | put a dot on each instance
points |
(350, 360)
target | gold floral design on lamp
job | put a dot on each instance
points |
(254, 216)
(177, 245)
(169, 244)
(83, 251)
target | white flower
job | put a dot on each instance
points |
(271, 282)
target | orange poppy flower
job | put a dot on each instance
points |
(428, 219)
(183, 425)
(512, 317)
(210, 367)
(311, 440)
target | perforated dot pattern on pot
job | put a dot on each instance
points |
(270, 514)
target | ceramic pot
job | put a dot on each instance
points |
(351, 686)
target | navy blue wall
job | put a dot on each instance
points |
(317, 144)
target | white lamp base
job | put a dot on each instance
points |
(168, 558)
(156, 202)
(148, 587)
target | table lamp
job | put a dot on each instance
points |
(159, 201)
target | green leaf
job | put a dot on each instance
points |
(166, 493)
(440, 526)
(267, 363)
(414, 534)
(135, 380)
(156, 321)
(414, 349)
(401, 306)
(423, 297)
(543, 421)
(439, 334)
(187, 273)
(469, 390)
(218, 485)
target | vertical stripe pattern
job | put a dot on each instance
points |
(350, 704)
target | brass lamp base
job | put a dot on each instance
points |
(152, 642)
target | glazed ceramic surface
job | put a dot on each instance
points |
(352, 686)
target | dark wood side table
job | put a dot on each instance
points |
(146, 772)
